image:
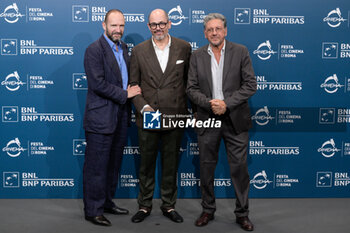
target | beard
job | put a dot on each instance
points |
(161, 37)
(112, 36)
(217, 44)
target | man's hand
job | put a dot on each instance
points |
(218, 106)
(134, 90)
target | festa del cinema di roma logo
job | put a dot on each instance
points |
(331, 84)
(11, 13)
(328, 148)
(13, 148)
(264, 50)
(176, 16)
(334, 18)
(12, 82)
(260, 180)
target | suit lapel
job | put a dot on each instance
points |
(125, 54)
(207, 67)
(173, 55)
(228, 58)
(152, 60)
(110, 58)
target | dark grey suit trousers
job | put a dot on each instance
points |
(236, 148)
(170, 142)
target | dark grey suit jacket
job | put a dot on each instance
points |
(163, 91)
(238, 84)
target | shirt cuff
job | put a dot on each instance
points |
(143, 109)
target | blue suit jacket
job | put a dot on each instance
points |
(105, 87)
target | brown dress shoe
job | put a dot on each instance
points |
(245, 223)
(204, 219)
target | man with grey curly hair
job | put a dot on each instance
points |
(220, 82)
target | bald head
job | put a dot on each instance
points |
(156, 14)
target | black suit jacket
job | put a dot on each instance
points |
(238, 84)
(105, 87)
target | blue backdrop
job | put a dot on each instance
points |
(299, 145)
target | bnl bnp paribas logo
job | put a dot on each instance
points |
(327, 116)
(332, 50)
(80, 81)
(327, 179)
(263, 16)
(334, 18)
(9, 47)
(82, 14)
(79, 146)
(333, 116)
(152, 120)
(11, 13)
(17, 179)
(30, 47)
(10, 114)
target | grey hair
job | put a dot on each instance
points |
(215, 16)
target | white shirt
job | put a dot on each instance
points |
(217, 71)
(162, 55)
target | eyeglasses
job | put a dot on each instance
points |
(161, 25)
(218, 30)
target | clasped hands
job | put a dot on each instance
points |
(133, 91)
(218, 106)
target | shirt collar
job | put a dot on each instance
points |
(210, 51)
(167, 46)
(111, 43)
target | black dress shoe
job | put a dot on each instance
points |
(140, 216)
(173, 216)
(99, 220)
(116, 210)
(245, 223)
(204, 219)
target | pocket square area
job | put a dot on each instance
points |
(179, 61)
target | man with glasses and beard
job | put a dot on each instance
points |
(159, 65)
(106, 117)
